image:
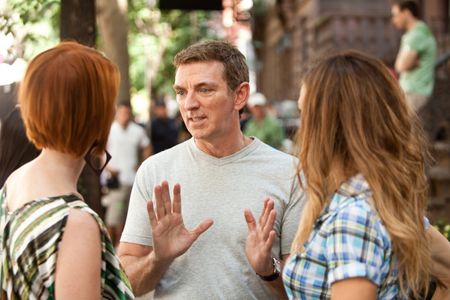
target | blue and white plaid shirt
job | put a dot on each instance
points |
(348, 240)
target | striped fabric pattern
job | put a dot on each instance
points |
(29, 240)
(348, 240)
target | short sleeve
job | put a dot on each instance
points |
(355, 245)
(291, 216)
(137, 228)
(416, 41)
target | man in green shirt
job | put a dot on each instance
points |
(261, 125)
(417, 55)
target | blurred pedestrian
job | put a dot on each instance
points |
(244, 117)
(129, 145)
(15, 148)
(52, 245)
(261, 125)
(164, 130)
(417, 55)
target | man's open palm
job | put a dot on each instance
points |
(260, 239)
(170, 237)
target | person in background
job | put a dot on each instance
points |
(164, 130)
(363, 233)
(183, 132)
(417, 55)
(15, 148)
(244, 117)
(261, 125)
(52, 245)
(129, 145)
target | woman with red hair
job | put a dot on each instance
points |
(52, 244)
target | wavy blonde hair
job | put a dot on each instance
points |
(355, 113)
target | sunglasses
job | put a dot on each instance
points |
(97, 162)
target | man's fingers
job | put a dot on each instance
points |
(151, 214)
(202, 227)
(269, 242)
(177, 199)
(261, 216)
(166, 197)
(268, 207)
(159, 202)
(269, 224)
(251, 223)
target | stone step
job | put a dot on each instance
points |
(435, 202)
(439, 172)
(440, 152)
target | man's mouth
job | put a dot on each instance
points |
(197, 119)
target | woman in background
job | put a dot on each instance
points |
(52, 244)
(15, 148)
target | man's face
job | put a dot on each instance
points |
(160, 111)
(123, 115)
(301, 99)
(258, 111)
(398, 17)
(206, 104)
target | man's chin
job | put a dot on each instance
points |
(196, 134)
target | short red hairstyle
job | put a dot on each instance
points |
(67, 98)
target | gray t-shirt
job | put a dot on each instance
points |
(216, 267)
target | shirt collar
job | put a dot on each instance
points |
(353, 187)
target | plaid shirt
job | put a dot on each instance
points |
(348, 240)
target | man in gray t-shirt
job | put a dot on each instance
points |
(225, 177)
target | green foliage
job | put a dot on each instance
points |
(259, 7)
(32, 10)
(31, 22)
(444, 227)
(187, 29)
(152, 30)
(35, 23)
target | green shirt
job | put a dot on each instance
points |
(268, 130)
(420, 79)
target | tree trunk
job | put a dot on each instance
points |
(77, 23)
(112, 16)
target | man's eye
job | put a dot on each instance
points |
(179, 92)
(205, 90)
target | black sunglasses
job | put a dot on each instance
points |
(95, 162)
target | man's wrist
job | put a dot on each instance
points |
(160, 262)
(276, 270)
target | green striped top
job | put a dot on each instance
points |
(30, 238)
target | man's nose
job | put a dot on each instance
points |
(191, 101)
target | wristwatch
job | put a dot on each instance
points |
(276, 271)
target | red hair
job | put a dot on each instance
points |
(67, 98)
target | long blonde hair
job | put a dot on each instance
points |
(354, 112)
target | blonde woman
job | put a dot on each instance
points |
(362, 234)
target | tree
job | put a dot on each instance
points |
(156, 36)
(77, 21)
(113, 27)
(32, 25)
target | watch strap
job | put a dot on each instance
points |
(276, 271)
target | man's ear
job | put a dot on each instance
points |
(242, 93)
